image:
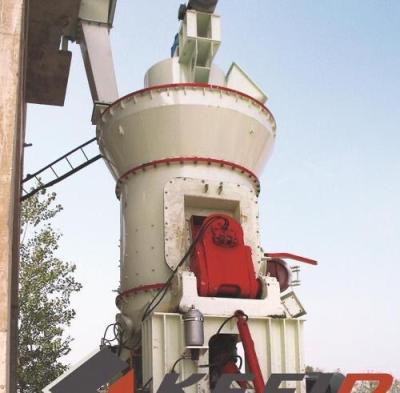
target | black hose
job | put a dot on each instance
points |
(163, 291)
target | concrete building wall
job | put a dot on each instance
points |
(12, 118)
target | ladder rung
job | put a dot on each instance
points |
(69, 163)
(54, 171)
(83, 151)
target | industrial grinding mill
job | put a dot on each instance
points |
(186, 152)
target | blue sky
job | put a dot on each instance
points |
(331, 190)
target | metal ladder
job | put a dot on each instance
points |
(57, 176)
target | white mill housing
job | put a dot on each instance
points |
(151, 137)
(192, 142)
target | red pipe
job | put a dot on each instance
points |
(286, 255)
(141, 288)
(194, 160)
(231, 368)
(189, 86)
(249, 351)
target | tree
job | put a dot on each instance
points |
(46, 285)
(369, 386)
(361, 386)
(395, 387)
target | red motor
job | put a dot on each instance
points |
(221, 261)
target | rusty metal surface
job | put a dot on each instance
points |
(47, 66)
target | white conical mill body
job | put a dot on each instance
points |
(172, 131)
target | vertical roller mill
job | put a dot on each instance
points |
(196, 286)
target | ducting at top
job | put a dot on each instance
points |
(203, 5)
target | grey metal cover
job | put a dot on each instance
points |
(92, 374)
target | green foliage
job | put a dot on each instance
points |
(370, 386)
(395, 387)
(361, 386)
(46, 285)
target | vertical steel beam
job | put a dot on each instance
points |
(12, 118)
(97, 56)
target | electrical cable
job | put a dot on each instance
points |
(146, 384)
(176, 362)
(117, 336)
(163, 291)
(117, 330)
(240, 361)
(224, 323)
(118, 333)
(105, 342)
